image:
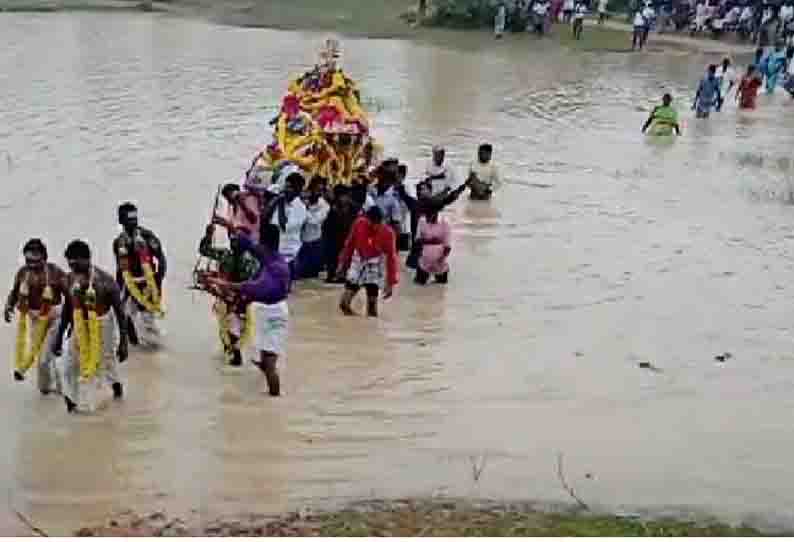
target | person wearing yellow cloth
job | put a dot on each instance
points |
(663, 119)
(92, 354)
(37, 296)
(140, 270)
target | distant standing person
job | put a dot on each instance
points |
(483, 174)
(500, 20)
(774, 65)
(568, 7)
(708, 94)
(649, 14)
(540, 12)
(638, 37)
(663, 119)
(747, 92)
(602, 11)
(578, 20)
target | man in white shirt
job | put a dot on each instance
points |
(288, 212)
(578, 20)
(567, 10)
(483, 175)
(440, 174)
(312, 252)
(786, 12)
(726, 75)
(540, 9)
(649, 14)
(638, 38)
(602, 11)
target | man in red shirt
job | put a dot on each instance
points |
(369, 259)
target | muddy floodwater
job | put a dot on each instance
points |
(604, 251)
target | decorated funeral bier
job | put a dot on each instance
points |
(321, 126)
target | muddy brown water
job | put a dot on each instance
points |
(605, 250)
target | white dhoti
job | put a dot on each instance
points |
(48, 380)
(270, 328)
(83, 392)
(145, 322)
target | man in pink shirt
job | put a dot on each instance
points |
(244, 212)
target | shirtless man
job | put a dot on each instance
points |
(37, 296)
(139, 251)
(90, 289)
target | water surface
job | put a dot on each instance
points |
(604, 250)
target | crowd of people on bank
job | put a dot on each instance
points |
(280, 228)
(762, 21)
(537, 16)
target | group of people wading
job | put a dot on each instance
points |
(76, 325)
(771, 67)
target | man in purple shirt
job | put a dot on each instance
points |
(266, 292)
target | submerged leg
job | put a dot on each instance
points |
(347, 299)
(372, 300)
(267, 365)
(422, 276)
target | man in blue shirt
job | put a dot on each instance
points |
(708, 93)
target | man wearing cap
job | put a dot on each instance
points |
(440, 174)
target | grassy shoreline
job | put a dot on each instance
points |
(373, 19)
(423, 518)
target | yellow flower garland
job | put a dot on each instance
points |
(22, 342)
(150, 299)
(89, 336)
(222, 312)
(25, 357)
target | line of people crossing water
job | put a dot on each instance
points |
(771, 67)
(76, 325)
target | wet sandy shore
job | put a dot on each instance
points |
(431, 518)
